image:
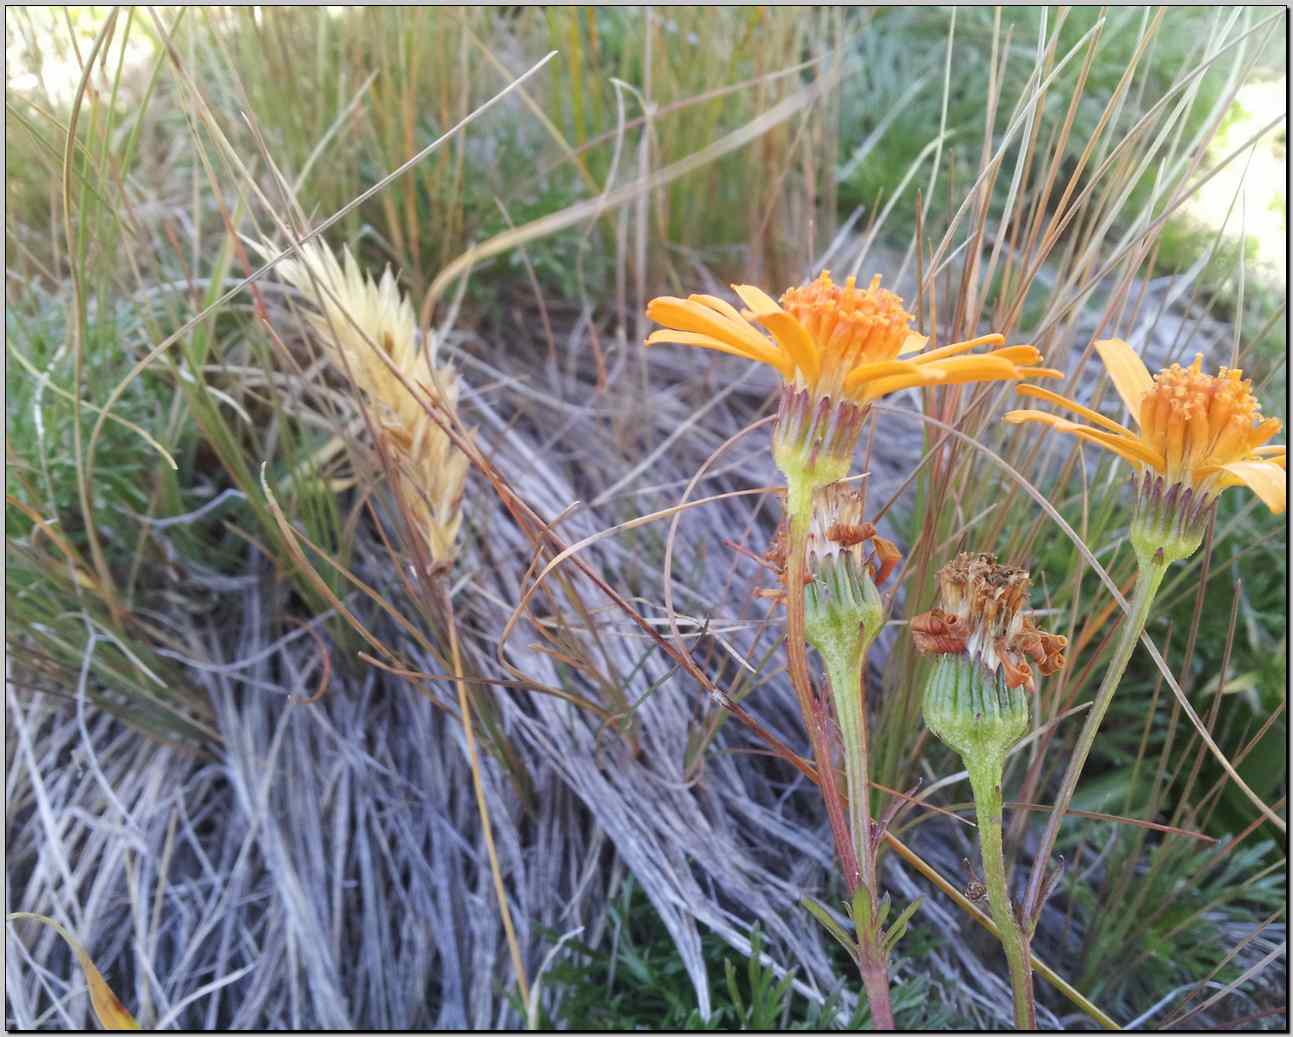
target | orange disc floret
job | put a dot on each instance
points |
(851, 325)
(1196, 420)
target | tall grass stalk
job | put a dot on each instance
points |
(1055, 153)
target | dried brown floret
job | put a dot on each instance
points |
(982, 617)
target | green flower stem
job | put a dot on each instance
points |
(1152, 569)
(954, 894)
(857, 858)
(844, 669)
(985, 778)
(814, 718)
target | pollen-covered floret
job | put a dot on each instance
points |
(851, 325)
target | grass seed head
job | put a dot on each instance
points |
(371, 331)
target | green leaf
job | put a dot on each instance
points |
(732, 990)
(861, 914)
(830, 925)
(899, 927)
(1108, 792)
(883, 913)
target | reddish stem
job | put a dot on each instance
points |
(810, 706)
(871, 957)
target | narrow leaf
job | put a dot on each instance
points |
(883, 912)
(899, 927)
(862, 909)
(108, 1009)
(829, 924)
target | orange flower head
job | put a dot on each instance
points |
(1199, 421)
(838, 341)
(837, 348)
(1198, 433)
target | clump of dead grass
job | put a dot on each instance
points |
(328, 865)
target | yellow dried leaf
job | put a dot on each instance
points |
(108, 1009)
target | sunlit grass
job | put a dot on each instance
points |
(189, 602)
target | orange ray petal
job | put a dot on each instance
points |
(792, 335)
(1266, 479)
(759, 301)
(767, 355)
(913, 343)
(1129, 448)
(1038, 392)
(943, 352)
(1128, 371)
(722, 305)
(956, 371)
(685, 315)
(885, 368)
(988, 368)
(1022, 355)
(795, 340)
(878, 387)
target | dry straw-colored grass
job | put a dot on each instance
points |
(289, 863)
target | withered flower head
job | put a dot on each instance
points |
(981, 616)
(838, 531)
(843, 610)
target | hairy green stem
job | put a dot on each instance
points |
(973, 911)
(1148, 580)
(814, 715)
(845, 673)
(857, 853)
(844, 669)
(985, 778)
